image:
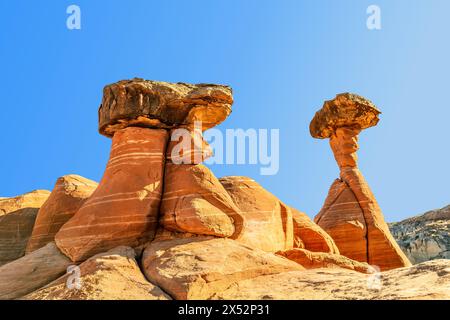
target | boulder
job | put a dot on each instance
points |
(156, 104)
(68, 195)
(425, 281)
(198, 268)
(32, 271)
(113, 275)
(347, 110)
(124, 209)
(195, 201)
(17, 217)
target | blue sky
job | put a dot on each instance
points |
(282, 58)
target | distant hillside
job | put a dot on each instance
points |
(424, 237)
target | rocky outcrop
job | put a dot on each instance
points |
(125, 208)
(113, 275)
(194, 236)
(32, 271)
(351, 214)
(425, 281)
(198, 268)
(17, 217)
(425, 237)
(194, 201)
(68, 195)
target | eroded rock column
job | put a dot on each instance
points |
(123, 210)
(351, 214)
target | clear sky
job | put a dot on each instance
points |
(282, 58)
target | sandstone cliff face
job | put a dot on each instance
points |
(425, 237)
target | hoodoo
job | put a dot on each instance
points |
(125, 208)
(351, 214)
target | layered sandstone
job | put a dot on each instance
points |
(198, 268)
(124, 208)
(17, 217)
(68, 195)
(351, 214)
(156, 104)
(112, 275)
(342, 217)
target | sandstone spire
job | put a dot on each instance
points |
(351, 214)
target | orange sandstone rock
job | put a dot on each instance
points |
(342, 218)
(268, 222)
(271, 225)
(310, 236)
(68, 195)
(350, 214)
(124, 208)
(194, 201)
(382, 249)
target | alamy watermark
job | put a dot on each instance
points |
(74, 279)
(373, 21)
(374, 278)
(235, 146)
(73, 21)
